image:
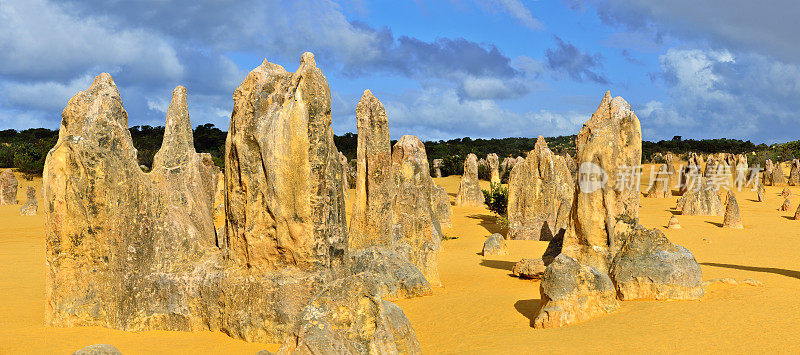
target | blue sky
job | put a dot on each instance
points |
(443, 69)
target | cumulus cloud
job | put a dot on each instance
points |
(714, 93)
(51, 48)
(436, 113)
(580, 66)
(736, 24)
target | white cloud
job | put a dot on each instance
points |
(515, 9)
(435, 113)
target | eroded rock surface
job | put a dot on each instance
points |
(649, 266)
(98, 349)
(659, 186)
(31, 205)
(138, 251)
(284, 195)
(469, 192)
(732, 217)
(794, 173)
(371, 219)
(674, 223)
(701, 201)
(540, 193)
(495, 244)
(8, 188)
(572, 293)
(440, 201)
(529, 269)
(420, 235)
(611, 140)
(494, 168)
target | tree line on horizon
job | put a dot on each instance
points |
(26, 150)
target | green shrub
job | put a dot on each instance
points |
(496, 199)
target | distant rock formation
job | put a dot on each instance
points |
(345, 175)
(786, 205)
(469, 192)
(494, 168)
(437, 168)
(414, 219)
(8, 188)
(659, 186)
(506, 166)
(540, 192)
(773, 174)
(138, 251)
(701, 201)
(494, 245)
(732, 218)
(572, 292)
(31, 205)
(797, 213)
(674, 223)
(760, 193)
(786, 193)
(794, 173)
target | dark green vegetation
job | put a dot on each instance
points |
(26, 150)
(496, 199)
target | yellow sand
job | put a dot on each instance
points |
(483, 309)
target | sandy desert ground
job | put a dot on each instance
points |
(482, 308)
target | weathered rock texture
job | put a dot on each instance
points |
(702, 201)
(371, 219)
(437, 168)
(648, 266)
(136, 251)
(797, 213)
(659, 186)
(440, 201)
(773, 174)
(612, 140)
(495, 244)
(345, 177)
(794, 173)
(284, 194)
(572, 293)
(673, 223)
(8, 188)
(540, 193)
(529, 269)
(347, 318)
(786, 205)
(469, 192)
(420, 235)
(786, 193)
(380, 242)
(98, 349)
(494, 167)
(732, 217)
(760, 192)
(31, 205)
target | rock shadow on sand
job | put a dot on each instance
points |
(528, 308)
(771, 270)
(489, 222)
(498, 264)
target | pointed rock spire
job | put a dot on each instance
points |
(177, 146)
(732, 217)
(371, 219)
(674, 223)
